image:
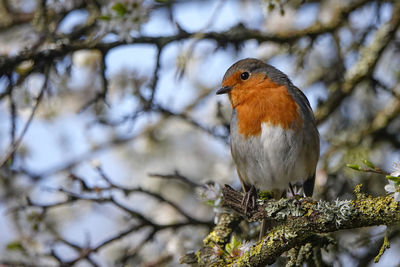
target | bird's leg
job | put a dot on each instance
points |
(250, 194)
(249, 199)
(294, 195)
(242, 182)
(292, 189)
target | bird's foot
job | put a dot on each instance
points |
(249, 199)
(295, 194)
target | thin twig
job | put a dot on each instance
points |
(14, 145)
(176, 176)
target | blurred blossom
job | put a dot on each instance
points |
(236, 248)
(95, 163)
(392, 187)
(396, 169)
(276, 21)
(123, 17)
(212, 195)
(217, 252)
(246, 246)
(87, 58)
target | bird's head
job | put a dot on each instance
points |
(250, 78)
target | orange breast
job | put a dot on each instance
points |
(259, 100)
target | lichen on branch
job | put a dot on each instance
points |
(297, 222)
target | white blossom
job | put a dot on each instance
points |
(396, 169)
(127, 21)
(393, 188)
(211, 192)
(246, 246)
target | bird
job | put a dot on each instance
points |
(274, 138)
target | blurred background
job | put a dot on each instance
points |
(110, 126)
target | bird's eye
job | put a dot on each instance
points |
(245, 75)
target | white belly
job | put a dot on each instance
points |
(273, 159)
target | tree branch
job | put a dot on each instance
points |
(300, 221)
(363, 68)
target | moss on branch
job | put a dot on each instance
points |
(298, 221)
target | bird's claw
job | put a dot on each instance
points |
(249, 199)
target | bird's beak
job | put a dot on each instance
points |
(224, 90)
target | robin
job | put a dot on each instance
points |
(274, 139)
